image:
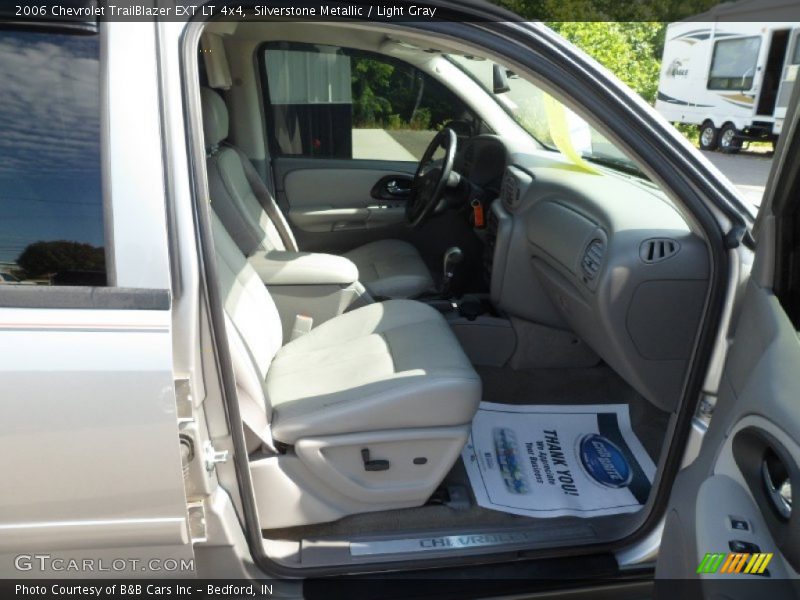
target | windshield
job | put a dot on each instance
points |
(534, 110)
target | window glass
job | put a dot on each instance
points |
(332, 102)
(733, 65)
(528, 104)
(796, 55)
(51, 214)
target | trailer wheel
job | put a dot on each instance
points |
(729, 142)
(709, 136)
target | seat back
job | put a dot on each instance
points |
(253, 325)
(237, 193)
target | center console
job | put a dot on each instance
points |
(480, 321)
(309, 288)
(487, 337)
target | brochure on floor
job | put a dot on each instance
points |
(554, 461)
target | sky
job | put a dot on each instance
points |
(50, 187)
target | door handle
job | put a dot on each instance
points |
(392, 187)
(395, 188)
(777, 485)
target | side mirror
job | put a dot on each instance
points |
(499, 80)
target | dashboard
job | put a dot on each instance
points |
(482, 160)
(605, 255)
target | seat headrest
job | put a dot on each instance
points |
(215, 117)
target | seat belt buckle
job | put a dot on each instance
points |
(302, 325)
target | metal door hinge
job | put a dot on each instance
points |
(213, 456)
(196, 518)
(184, 401)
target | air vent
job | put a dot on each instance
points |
(509, 190)
(658, 249)
(593, 259)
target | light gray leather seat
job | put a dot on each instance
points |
(391, 269)
(389, 378)
(389, 365)
(387, 268)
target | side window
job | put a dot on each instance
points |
(733, 65)
(51, 209)
(330, 102)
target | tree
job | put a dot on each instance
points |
(43, 258)
(625, 37)
(630, 50)
(608, 10)
(371, 87)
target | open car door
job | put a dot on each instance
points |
(730, 529)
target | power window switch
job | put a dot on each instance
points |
(743, 547)
(738, 524)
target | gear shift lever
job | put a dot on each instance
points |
(452, 257)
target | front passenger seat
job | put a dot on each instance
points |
(368, 411)
(386, 268)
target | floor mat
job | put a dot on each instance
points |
(554, 461)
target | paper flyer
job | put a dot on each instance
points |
(554, 461)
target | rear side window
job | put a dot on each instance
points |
(51, 208)
(733, 65)
(332, 102)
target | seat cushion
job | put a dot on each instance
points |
(389, 365)
(391, 269)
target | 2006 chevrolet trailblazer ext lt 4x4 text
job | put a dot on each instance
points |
(335, 297)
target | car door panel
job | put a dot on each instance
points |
(735, 497)
(758, 397)
(349, 201)
(93, 439)
(91, 460)
(326, 182)
(335, 204)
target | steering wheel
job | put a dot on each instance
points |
(431, 178)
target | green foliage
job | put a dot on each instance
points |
(391, 95)
(371, 80)
(532, 115)
(421, 119)
(44, 258)
(625, 37)
(394, 122)
(607, 10)
(692, 132)
(630, 50)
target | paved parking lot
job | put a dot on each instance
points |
(748, 171)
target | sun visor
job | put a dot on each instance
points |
(217, 69)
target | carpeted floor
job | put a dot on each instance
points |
(595, 385)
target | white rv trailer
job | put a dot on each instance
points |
(732, 78)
